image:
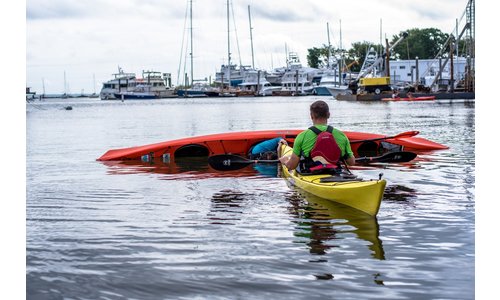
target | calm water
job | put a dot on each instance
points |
(115, 231)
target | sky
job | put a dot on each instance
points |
(74, 46)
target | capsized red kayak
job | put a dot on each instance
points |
(422, 98)
(239, 143)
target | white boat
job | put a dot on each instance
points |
(333, 84)
(141, 91)
(127, 83)
(232, 75)
(297, 80)
(329, 80)
(255, 84)
(121, 82)
(158, 83)
(30, 95)
(274, 76)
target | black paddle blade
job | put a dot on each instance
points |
(228, 162)
(390, 157)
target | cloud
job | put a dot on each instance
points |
(108, 9)
(56, 9)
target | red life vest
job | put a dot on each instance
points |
(326, 152)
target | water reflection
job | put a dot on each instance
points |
(181, 168)
(324, 223)
(226, 206)
(399, 193)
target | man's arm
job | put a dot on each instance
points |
(290, 161)
(350, 161)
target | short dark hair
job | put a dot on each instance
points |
(319, 109)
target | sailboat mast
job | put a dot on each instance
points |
(43, 86)
(191, 36)
(341, 66)
(228, 47)
(65, 84)
(380, 47)
(251, 37)
(329, 45)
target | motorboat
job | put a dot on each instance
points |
(127, 83)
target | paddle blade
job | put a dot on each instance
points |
(228, 162)
(391, 157)
(406, 134)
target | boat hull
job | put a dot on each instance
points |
(191, 94)
(365, 196)
(322, 91)
(135, 96)
(423, 98)
(239, 143)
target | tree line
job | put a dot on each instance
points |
(422, 43)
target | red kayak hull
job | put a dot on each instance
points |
(239, 143)
(423, 98)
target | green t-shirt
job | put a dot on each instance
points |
(306, 139)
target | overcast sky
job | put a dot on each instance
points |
(81, 40)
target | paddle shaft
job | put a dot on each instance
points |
(231, 162)
(400, 156)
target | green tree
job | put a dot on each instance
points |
(422, 43)
(317, 57)
(357, 52)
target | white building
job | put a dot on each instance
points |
(405, 71)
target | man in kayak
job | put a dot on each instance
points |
(395, 94)
(306, 140)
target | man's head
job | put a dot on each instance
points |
(320, 110)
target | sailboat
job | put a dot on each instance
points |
(66, 89)
(231, 75)
(254, 81)
(198, 89)
(333, 82)
(94, 95)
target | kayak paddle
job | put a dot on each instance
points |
(401, 135)
(230, 162)
(390, 157)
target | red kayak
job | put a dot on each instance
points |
(423, 98)
(239, 143)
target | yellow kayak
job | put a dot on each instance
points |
(363, 195)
